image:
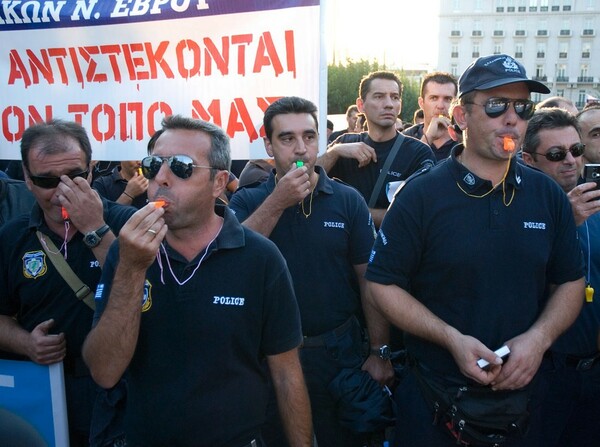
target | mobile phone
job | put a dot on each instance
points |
(591, 173)
(501, 352)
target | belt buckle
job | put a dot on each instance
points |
(585, 364)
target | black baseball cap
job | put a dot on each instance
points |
(493, 71)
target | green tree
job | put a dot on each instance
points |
(343, 81)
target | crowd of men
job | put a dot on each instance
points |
(274, 316)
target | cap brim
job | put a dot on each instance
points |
(534, 86)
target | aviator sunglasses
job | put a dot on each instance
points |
(52, 182)
(576, 150)
(181, 165)
(494, 107)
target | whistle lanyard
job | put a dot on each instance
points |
(589, 290)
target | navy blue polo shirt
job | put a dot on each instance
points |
(412, 156)
(321, 250)
(581, 339)
(198, 375)
(478, 261)
(442, 152)
(32, 288)
(113, 185)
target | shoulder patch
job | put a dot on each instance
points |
(34, 264)
(147, 298)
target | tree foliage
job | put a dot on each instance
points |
(343, 81)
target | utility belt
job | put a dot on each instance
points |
(319, 341)
(473, 414)
(584, 363)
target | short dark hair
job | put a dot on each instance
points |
(219, 156)
(287, 105)
(439, 77)
(546, 118)
(51, 136)
(365, 83)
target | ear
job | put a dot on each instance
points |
(268, 146)
(360, 104)
(459, 114)
(420, 101)
(220, 183)
(528, 158)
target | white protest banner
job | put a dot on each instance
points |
(119, 66)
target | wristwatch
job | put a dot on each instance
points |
(384, 352)
(93, 238)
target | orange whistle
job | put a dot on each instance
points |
(509, 144)
(139, 171)
(65, 215)
(159, 203)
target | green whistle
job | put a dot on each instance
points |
(299, 163)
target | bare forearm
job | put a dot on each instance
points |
(328, 159)
(109, 347)
(408, 314)
(13, 338)
(292, 398)
(378, 326)
(560, 312)
(266, 216)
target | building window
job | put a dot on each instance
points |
(541, 50)
(584, 74)
(519, 51)
(539, 73)
(454, 51)
(586, 50)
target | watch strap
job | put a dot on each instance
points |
(102, 230)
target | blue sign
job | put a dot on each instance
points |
(33, 408)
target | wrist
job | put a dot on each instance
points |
(128, 195)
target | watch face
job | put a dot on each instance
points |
(385, 352)
(91, 239)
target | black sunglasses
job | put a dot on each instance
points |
(576, 150)
(494, 107)
(181, 165)
(52, 182)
